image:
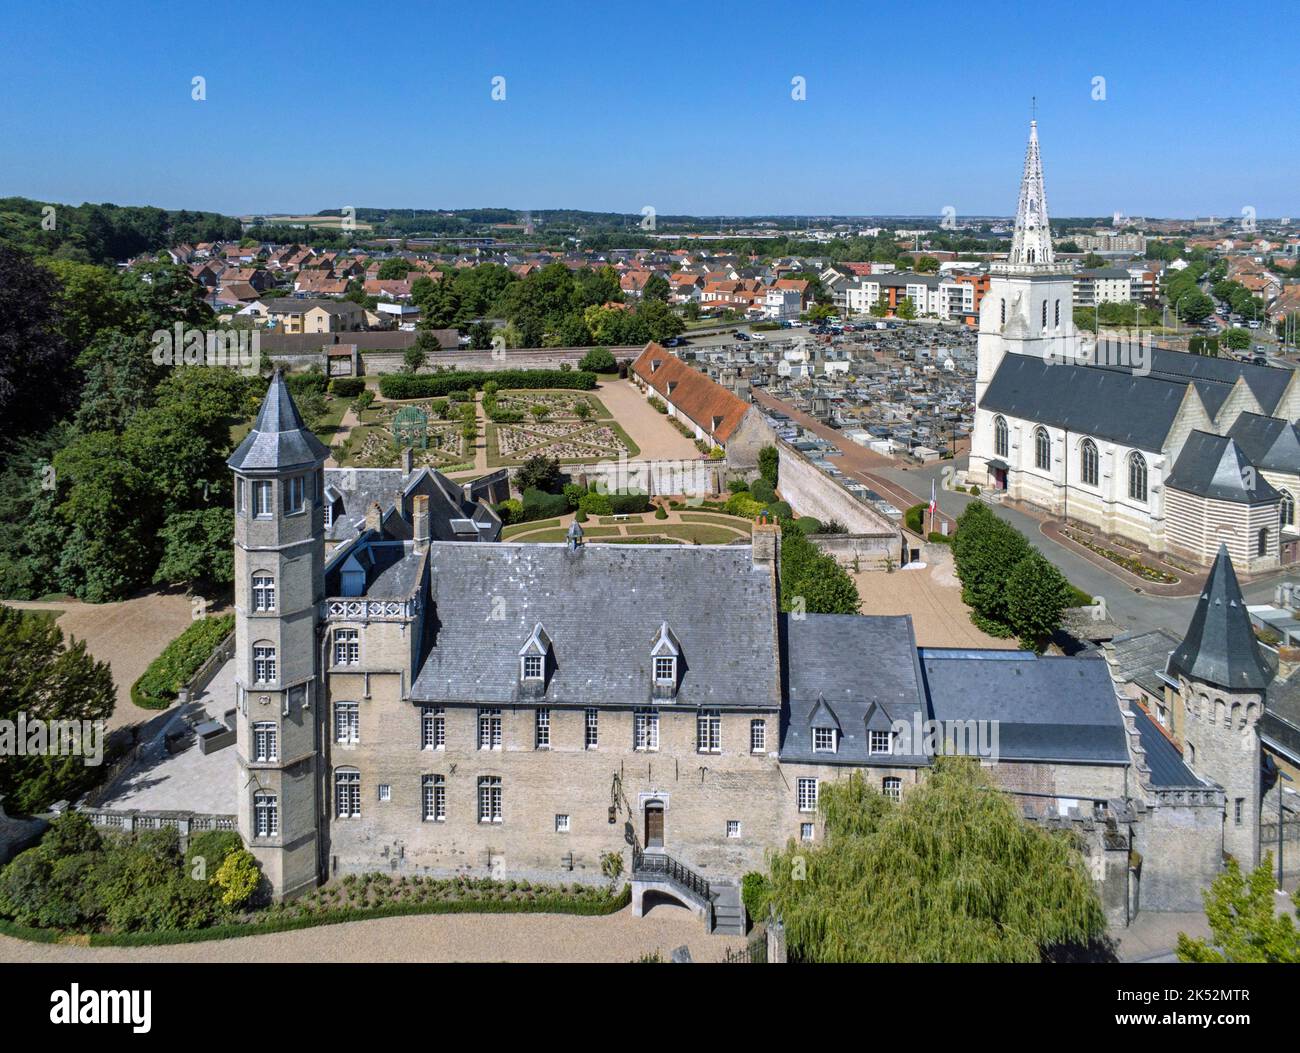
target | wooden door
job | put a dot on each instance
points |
(654, 826)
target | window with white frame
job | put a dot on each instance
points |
(240, 498)
(347, 646)
(893, 788)
(1000, 443)
(805, 831)
(433, 798)
(708, 731)
(263, 592)
(806, 795)
(757, 736)
(433, 728)
(294, 491)
(262, 507)
(347, 722)
(265, 742)
(561, 824)
(645, 725)
(534, 666)
(489, 799)
(263, 663)
(665, 670)
(489, 729)
(881, 742)
(824, 740)
(591, 721)
(347, 794)
(542, 729)
(733, 827)
(385, 791)
(266, 815)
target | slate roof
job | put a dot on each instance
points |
(393, 568)
(279, 439)
(1163, 758)
(1220, 646)
(1266, 382)
(1048, 709)
(351, 491)
(1269, 442)
(694, 394)
(1280, 724)
(1140, 658)
(853, 673)
(602, 606)
(1214, 467)
(1110, 404)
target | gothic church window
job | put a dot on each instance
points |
(1137, 477)
(1286, 509)
(1000, 444)
(1042, 449)
(1088, 461)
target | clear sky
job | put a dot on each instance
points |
(910, 107)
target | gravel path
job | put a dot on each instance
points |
(429, 938)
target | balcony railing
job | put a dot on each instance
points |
(656, 865)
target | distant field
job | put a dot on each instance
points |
(322, 222)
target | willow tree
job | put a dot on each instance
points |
(951, 874)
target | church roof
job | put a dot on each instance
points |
(1269, 442)
(279, 439)
(1214, 467)
(1220, 646)
(1208, 373)
(1106, 403)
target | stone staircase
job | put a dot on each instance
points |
(728, 911)
(718, 905)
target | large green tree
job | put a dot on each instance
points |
(1244, 922)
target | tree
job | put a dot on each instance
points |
(1237, 339)
(37, 382)
(47, 679)
(1243, 920)
(538, 472)
(413, 358)
(394, 269)
(656, 288)
(907, 309)
(598, 360)
(1037, 593)
(950, 874)
(927, 265)
(197, 549)
(769, 460)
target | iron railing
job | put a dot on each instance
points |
(658, 865)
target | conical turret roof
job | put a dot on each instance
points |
(279, 439)
(1220, 646)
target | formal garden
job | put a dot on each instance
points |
(440, 431)
(572, 426)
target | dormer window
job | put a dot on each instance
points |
(665, 670)
(824, 740)
(881, 742)
(533, 667)
(666, 667)
(533, 658)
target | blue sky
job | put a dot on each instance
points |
(687, 107)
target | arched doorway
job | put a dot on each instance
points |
(654, 824)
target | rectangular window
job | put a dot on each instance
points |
(266, 815)
(434, 799)
(805, 831)
(240, 496)
(532, 667)
(347, 722)
(806, 794)
(542, 730)
(708, 731)
(347, 647)
(880, 741)
(385, 791)
(592, 728)
(1238, 809)
(263, 593)
(757, 736)
(293, 494)
(646, 729)
(733, 827)
(433, 728)
(489, 799)
(561, 824)
(893, 789)
(665, 670)
(264, 665)
(262, 499)
(823, 740)
(347, 794)
(265, 742)
(489, 729)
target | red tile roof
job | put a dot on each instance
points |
(695, 395)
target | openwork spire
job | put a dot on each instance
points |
(1031, 245)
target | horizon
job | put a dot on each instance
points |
(1129, 121)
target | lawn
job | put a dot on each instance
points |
(737, 522)
(524, 528)
(699, 533)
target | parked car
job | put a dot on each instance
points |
(741, 336)
(758, 336)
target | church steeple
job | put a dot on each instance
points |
(1031, 244)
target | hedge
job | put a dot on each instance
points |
(347, 387)
(423, 386)
(914, 518)
(302, 383)
(629, 504)
(540, 505)
(167, 674)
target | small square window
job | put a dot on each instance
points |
(881, 742)
(733, 827)
(823, 740)
(385, 791)
(561, 824)
(805, 831)
(665, 670)
(532, 667)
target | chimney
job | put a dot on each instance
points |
(766, 542)
(375, 518)
(420, 520)
(408, 460)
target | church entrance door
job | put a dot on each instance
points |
(654, 825)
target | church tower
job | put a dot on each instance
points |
(279, 584)
(1028, 309)
(1222, 681)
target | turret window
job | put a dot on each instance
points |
(347, 647)
(266, 815)
(263, 592)
(263, 664)
(262, 499)
(294, 494)
(240, 496)
(266, 738)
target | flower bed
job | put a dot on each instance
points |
(1130, 563)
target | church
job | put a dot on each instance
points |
(1174, 452)
(419, 701)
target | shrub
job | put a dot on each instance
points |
(362, 402)
(938, 538)
(538, 472)
(762, 491)
(629, 504)
(423, 386)
(742, 505)
(302, 384)
(739, 486)
(754, 888)
(598, 360)
(657, 404)
(808, 524)
(580, 516)
(768, 463)
(596, 504)
(975, 491)
(347, 387)
(780, 510)
(661, 512)
(538, 504)
(573, 493)
(238, 878)
(212, 847)
(914, 518)
(167, 674)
